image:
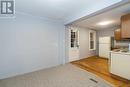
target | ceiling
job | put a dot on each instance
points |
(62, 10)
(112, 15)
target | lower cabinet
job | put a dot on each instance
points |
(120, 65)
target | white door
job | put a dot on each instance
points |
(73, 44)
(104, 50)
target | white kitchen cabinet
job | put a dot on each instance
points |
(120, 64)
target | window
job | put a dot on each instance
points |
(92, 40)
(74, 38)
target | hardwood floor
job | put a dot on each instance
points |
(99, 66)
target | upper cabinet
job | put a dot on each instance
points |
(125, 26)
(118, 34)
(124, 32)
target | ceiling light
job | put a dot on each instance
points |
(105, 23)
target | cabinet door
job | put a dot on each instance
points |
(118, 34)
(125, 26)
(120, 65)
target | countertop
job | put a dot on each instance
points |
(119, 52)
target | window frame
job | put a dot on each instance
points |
(94, 40)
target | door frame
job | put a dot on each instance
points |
(67, 42)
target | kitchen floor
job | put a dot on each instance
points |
(100, 67)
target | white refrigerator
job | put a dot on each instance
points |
(104, 47)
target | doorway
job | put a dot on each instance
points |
(73, 44)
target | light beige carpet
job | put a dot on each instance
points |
(60, 76)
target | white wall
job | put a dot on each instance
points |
(84, 44)
(28, 44)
